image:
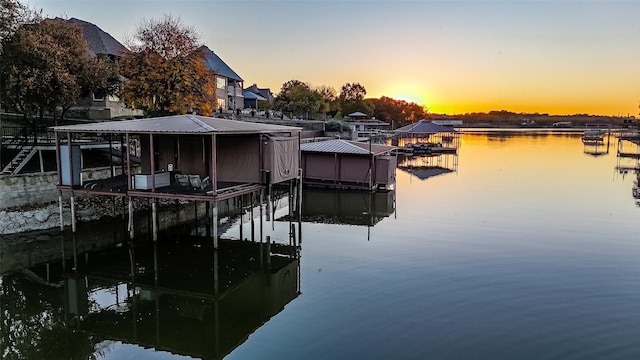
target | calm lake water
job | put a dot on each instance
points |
(527, 248)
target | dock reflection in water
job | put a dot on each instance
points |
(356, 208)
(425, 167)
(176, 295)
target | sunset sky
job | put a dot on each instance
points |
(557, 57)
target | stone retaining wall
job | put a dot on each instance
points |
(38, 189)
(97, 207)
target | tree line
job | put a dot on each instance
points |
(301, 99)
(46, 66)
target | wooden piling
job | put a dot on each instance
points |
(61, 213)
(268, 252)
(261, 202)
(131, 226)
(73, 213)
(253, 223)
(241, 218)
(214, 223)
(154, 219)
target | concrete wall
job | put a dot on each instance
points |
(38, 188)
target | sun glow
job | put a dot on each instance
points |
(411, 93)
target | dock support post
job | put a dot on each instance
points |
(292, 198)
(64, 256)
(268, 207)
(60, 208)
(131, 226)
(73, 213)
(195, 215)
(154, 219)
(75, 252)
(261, 202)
(156, 267)
(299, 191)
(214, 223)
(207, 223)
(268, 175)
(299, 207)
(253, 223)
(241, 218)
(268, 252)
(216, 306)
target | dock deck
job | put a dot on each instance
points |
(118, 186)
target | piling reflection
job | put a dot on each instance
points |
(425, 167)
(177, 294)
(361, 208)
(628, 159)
(595, 147)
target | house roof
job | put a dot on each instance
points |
(357, 113)
(264, 92)
(424, 127)
(340, 146)
(177, 124)
(252, 96)
(215, 64)
(99, 41)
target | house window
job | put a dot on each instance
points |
(221, 83)
(221, 104)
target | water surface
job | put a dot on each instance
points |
(527, 247)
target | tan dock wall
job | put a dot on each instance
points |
(342, 168)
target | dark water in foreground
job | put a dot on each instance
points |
(528, 249)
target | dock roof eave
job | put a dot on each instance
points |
(424, 127)
(346, 147)
(297, 130)
(179, 125)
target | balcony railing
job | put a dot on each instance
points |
(231, 90)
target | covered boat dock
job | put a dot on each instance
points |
(424, 137)
(181, 157)
(345, 164)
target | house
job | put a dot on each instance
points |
(229, 93)
(253, 94)
(252, 99)
(101, 106)
(348, 164)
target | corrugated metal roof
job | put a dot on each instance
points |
(100, 42)
(215, 64)
(177, 124)
(340, 146)
(424, 127)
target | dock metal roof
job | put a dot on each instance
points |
(340, 146)
(177, 124)
(425, 127)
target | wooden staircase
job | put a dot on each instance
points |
(20, 160)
